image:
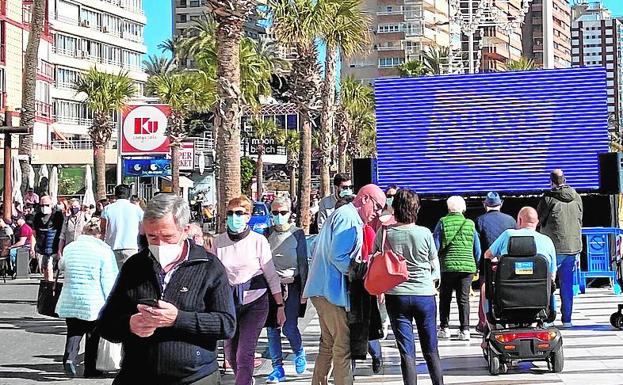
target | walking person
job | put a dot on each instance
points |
(170, 305)
(122, 225)
(90, 273)
(560, 214)
(48, 223)
(72, 226)
(343, 187)
(250, 269)
(489, 227)
(459, 253)
(338, 243)
(289, 249)
(413, 300)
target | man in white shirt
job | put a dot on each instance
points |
(343, 188)
(121, 224)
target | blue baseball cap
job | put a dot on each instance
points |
(493, 199)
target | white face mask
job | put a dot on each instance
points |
(167, 253)
(46, 210)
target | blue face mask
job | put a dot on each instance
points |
(236, 223)
(346, 193)
(281, 219)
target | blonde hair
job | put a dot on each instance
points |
(208, 240)
(92, 227)
(241, 201)
(456, 204)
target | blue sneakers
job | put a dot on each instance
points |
(300, 362)
(278, 375)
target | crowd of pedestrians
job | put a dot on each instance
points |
(169, 292)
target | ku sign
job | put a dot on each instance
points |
(144, 130)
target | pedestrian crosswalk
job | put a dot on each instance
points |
(593, 352)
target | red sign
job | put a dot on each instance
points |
(143, 129)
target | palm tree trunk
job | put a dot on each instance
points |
(175, 167)
(292, 171)
(228, 112)
(305, 173)
(29, 84)
(342, 161)
(99, 162)
(326, 119)
(259, 172)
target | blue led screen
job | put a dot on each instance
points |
(500, 131)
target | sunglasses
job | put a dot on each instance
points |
(45, 205)
(280, 212)
(390, 195)
(346, 187)
(377, 206)
(238, 213)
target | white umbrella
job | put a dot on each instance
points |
(31, 177)
(43, 173)
(89, 198)
(54, 185)
(16, 181)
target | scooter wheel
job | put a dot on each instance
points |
(613, 319)
(494, 364)
(619, 322)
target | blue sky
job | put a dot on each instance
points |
(159, 24)
(616, 6)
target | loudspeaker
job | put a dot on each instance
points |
(363, 172)
(611, 173)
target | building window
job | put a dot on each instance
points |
(389, 28)
(390, 62)
(195, 3)
(90, 18)
(68, 12)
(66, 78)
(66, 45)
(67, 111)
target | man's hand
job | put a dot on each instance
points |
(380, 298)
(140, 326)
(281, 316)
(162, 316)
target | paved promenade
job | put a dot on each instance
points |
(31, 348)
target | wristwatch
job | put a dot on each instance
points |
(280, 305)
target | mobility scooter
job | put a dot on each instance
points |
(518, 291)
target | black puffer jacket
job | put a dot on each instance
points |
(560, 216)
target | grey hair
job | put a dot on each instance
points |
(163, 204)
(74, 200)
(281, 201)
(456, 204)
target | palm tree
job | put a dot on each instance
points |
(184, 92)
(436, 60)
(230, 16)
(292, 143)
(158, 65)
(105, 94)
(175, 47)
(522, 64)
(263, 129)
(29, 84)
(344, 29)
(355, 116)
(412, 68)
(296, 23)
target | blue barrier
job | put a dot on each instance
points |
(599, 256)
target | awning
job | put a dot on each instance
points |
(184, 182)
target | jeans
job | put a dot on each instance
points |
(290, 328)
(76, 329)
(240, 350)
(374, 349)
(403, 309)
(566, 268)
(460, 283)
(334, 344)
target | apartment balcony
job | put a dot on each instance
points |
(2, 54)
(79, 144)
(84, 55)
(127, 5)
(45, 71)
(43, 112)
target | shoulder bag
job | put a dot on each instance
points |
(47, 297)
(386, 269)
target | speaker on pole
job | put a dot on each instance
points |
(611, 173)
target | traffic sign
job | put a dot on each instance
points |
(143, 129)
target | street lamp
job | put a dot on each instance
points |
(488, 13)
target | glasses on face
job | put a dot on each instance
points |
(45, 205)
(239, 213)
(346, 187)
(390, 195)
(285, 212)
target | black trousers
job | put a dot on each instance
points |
(459, 283)
(76, 329)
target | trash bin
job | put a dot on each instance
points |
(22, 265)
(600, 256)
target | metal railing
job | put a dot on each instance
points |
(43, 110)
(80, 144)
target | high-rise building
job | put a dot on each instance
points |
(402, 30)
(559, 24)
(597, 40)
(107, 34)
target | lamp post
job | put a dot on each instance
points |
(486, 14)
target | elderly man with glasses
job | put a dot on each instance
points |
(339, 242)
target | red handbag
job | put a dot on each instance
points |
(386, 269)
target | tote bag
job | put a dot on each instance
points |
(47, 297)
(386, 269)
(108, 356)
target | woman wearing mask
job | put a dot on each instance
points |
(248, 261)
(289, 249)
(90, 273)
(415, 298)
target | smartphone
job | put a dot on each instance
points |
(148, 302)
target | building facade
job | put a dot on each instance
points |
(597, 40)
(559, 25)
(402, 30)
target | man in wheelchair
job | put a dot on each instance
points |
(520, 268)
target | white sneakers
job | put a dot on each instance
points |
(444, 334)
(567, 325)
